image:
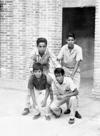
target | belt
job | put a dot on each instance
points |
(69, 67)
(64, 65)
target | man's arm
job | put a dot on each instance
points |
(60, 55)
(32, 59)
(79, 58)
(68, 94)
(43, 104)
(71, 93)
(75, 68)
(33, 98)
(48, 91)
(54, 61)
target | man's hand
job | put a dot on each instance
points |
(43, 103)
(34, 105)
(72, 76)
(60, 97)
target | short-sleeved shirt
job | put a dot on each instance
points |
(39, 84)
(45, 59)
(60, 89)
(70, 58)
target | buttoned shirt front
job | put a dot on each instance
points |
(39, 84)
(70, 58)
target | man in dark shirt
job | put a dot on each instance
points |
(38, 86)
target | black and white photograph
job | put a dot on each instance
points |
(50, 67)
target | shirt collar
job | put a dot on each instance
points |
(37, 53)
(64, 81)
(42, 77)
(71, 50)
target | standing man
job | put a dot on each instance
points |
(42, 55)
(70, 57)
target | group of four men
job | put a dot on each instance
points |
(62, 86)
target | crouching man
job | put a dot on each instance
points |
(38, 86)
(63, 90)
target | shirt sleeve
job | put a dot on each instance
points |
(61, 54)
(79, 55)
(53, 60)
(32, 58)
(49, 81)
(30, 83)
(72, 86)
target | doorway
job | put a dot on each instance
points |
(81, 21)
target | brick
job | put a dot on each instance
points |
(22, 22)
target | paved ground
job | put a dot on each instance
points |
(12, 123)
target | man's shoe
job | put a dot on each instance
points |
(26, 111)
(36, 116)
(77, 115)
(67, 111)
(71, 121)
(57, 116)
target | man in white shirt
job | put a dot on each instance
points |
(63, 90)
(70, 57)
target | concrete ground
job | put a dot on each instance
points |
(12, 123)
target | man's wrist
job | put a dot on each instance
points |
(73, 73)
(44, 100)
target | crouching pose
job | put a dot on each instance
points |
(47, 59)
(63, 90)
(38, 86)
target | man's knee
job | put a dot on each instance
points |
(73, 99)
(53, 106)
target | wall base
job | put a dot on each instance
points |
(95, 93)
(13, 84)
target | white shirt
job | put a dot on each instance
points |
(64, 87)
(70, 58)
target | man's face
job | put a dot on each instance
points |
(70, 42)
(42, 47)
(37, 73)
(59, 78)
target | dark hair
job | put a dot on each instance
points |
(37, 66)
(39, 40)
(71, 35)
(58, 71)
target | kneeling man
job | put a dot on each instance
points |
(63, 90)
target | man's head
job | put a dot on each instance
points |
(59, 74)
(41, 45)
(70, 40)
(37, 70)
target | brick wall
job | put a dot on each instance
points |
(96, 90)
(6, 39)
(22, 22)
(50, 22)
(44, 19)
(78, 3)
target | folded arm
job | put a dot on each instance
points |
(68, 94)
